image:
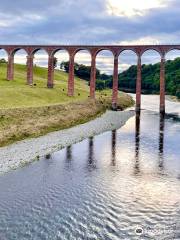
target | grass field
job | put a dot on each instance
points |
(17, 94)
(27, 111)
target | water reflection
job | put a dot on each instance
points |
(137, 144)
(138, 137)
(161, 140)
(66, 197)
(113, 147)
(48, 156)
(68, 158)
(69, 153)
(91, 158)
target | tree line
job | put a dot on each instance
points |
(103, 81)
(127, 79)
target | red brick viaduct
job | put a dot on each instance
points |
(93, 50)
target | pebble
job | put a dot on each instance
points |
(23, 152)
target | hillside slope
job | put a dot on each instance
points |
(127, 79)
(17, 94)
(27, 111)
(151, 77)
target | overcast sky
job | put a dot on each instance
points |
(91, 22)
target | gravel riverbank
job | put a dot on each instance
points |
(23, 152)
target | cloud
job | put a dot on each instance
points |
(131, 8)
(89, 22)
(9, 21)
(83, 22)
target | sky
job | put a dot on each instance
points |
(91, 22)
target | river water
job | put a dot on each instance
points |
(123, 184)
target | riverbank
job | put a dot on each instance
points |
(32, 111)
(24, 152)
(21, 123)
(172, 98)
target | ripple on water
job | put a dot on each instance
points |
(108, 189)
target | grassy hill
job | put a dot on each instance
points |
(27, 111)
(17, 94)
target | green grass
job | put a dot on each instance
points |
(27, 111)
(17, 94)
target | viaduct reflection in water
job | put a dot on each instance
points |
(91, 152)
(113, 147)
(69, 153)
(69, 158)
(161, 140)
(91, 158)
(137, 143)
(66, 189)
(91, 161)
(138, 137)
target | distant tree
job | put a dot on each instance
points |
(80, 70)
(55, 62)
(104, 76)
(178, 93)
(127, 79)
(100, 84)
(151, 77)
(2, 60)
(64, 66)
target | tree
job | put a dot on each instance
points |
(80, 70)
(100, 84)
(127, 79)
(178, 92)
(64, 66)
(2, 60)
(55, 60)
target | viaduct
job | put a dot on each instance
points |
(93, 50)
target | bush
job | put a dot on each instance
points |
(2, 60)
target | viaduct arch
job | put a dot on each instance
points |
(93, 50)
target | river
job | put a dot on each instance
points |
(122, 184)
